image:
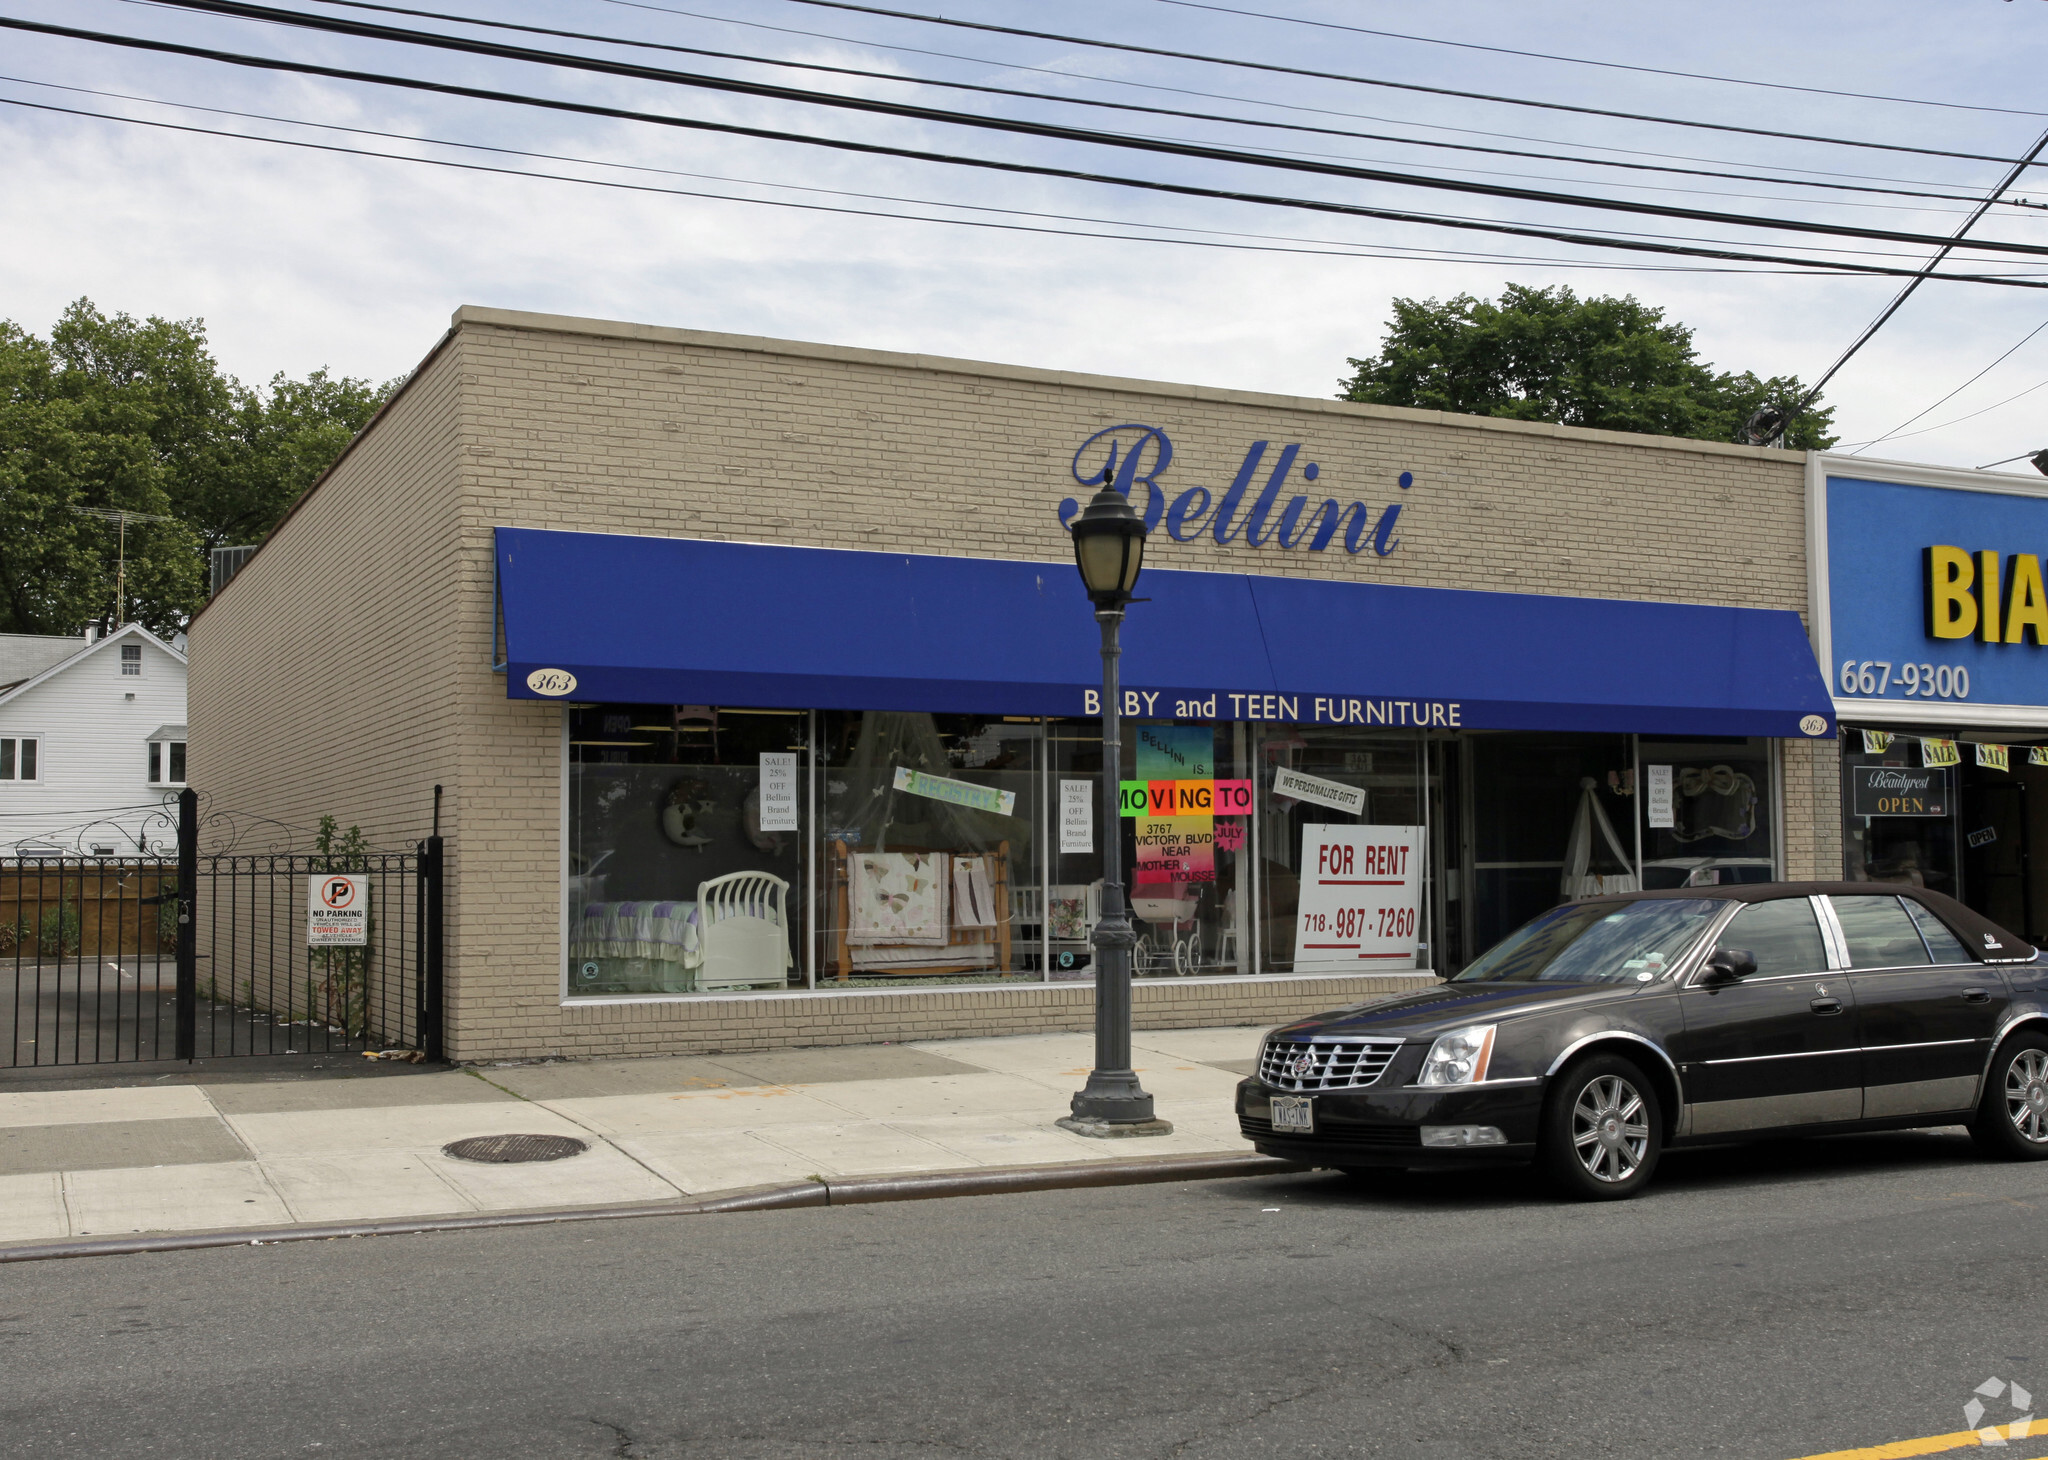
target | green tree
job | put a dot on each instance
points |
(1548, 355)
(116, 413)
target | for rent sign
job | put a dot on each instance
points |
(337, 910)
(1361, 899)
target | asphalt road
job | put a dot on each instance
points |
(1761, 1304)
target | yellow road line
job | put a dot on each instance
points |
(1926, 1445)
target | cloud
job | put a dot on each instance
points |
(299, 259)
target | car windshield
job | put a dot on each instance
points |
(1600, 942)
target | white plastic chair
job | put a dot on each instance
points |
(743, 930)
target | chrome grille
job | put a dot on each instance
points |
(1324, 1064)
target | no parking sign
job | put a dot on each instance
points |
(337, 910)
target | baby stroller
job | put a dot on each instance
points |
(1171, 912)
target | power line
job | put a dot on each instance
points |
(1323, 111)
(703, 176)
(1435, 253)
(1558, 106)
(1332, 248)
(370, 31)
(1813, 392)
(2039, 458)
(1481, 225)
(901, 79)
(1430, 40)
(1983, 411)
(1899, 429)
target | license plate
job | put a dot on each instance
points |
(1294, 1112)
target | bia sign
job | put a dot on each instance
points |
(1272, 499)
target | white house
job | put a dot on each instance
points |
(92, 743)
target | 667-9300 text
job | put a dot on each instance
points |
(1926, 681)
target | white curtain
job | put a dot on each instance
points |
(1579, 879)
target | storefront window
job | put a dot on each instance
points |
(1548, 818)
(1064, 920)
(928, 849)
(1312, 780)
(1706, 812)
(1898, 818)
(685, 857)
(1186, 838)
(719, 849)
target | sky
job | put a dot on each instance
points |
(298, 258)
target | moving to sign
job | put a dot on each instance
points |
(1184, 798)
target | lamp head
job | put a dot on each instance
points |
(2040, 462)
(1109, 546)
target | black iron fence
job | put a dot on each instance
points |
(209, 955)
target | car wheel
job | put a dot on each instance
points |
(1602, 1130)
(2012, 1119)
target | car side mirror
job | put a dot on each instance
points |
(1728, 965)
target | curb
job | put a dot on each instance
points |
(820, 1192)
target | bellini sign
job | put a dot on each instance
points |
(1135, 454)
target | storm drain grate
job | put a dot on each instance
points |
(502, 1150)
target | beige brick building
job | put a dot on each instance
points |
(356, 663)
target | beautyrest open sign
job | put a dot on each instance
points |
(337, 910)
(1360, 907)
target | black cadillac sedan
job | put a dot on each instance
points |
(1608, 1030)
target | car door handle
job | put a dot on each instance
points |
(1825, 1006)
(1977, 996)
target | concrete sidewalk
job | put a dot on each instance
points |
(169, 1157)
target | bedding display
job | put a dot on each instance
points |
(663, 931)
(915, 911)
(898, 897)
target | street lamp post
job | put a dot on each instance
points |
(1109, 549)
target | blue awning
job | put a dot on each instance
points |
(659, 620)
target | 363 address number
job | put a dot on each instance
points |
(1926, 681)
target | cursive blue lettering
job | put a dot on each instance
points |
(1133, 452)
(1227, 508)
(1127, 470)
(1255, 533)
(1383, 539)
(1184, 517)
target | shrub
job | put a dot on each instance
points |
(58, 933)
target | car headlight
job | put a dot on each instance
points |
(1459, 1057)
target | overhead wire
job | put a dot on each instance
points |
(1415, 86)
(1985, 411)
(1328, 248)
(900, 78)
(1430, 40)
(637, 167)
(1813, 391)
(1900, 429)
(1067, 73)
(844, 144)
(1434, 252)
(238, 9)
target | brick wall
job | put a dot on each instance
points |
(537, 421)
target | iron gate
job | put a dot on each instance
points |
(206, 955)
